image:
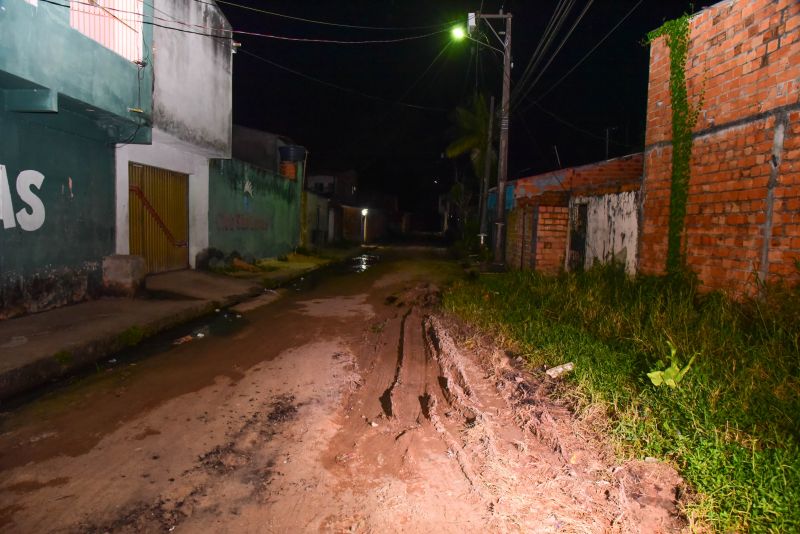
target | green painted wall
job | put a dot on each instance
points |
(252, 210)
(39, 46)
(60, 261)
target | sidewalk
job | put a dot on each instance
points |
(38, 348)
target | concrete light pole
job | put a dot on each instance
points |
(487, 162)
(502, 166)
(364, 214)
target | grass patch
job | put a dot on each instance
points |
(131, 336)
(731, 426)
(63, 357)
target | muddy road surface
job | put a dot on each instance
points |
(351, 405)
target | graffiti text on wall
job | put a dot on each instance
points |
(29, 218)
(237, 221)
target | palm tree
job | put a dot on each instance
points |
(472, 125)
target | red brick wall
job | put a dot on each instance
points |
(745, 55)
(611, 176)
(514, 239)
(551, 238)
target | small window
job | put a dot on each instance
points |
(115, 24)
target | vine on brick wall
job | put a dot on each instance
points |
(684, 117)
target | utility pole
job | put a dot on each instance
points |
(502, 166)
(487, 162)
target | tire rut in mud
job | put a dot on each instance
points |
(562, 469)
(386, 398)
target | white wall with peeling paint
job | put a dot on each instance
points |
(171, 154)
(193, 93)
(612, 228)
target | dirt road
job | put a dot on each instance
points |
(350, 407)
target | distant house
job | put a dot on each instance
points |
(75, 79)
(571, 218)
(341, 187)
(742, 223)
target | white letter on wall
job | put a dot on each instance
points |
(34, 219)
(6, 208)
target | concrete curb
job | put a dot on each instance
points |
(19, 380)
(14, 382)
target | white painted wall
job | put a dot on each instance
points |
(192, 112)
(612, 228)
(192, 97)
(171, 154)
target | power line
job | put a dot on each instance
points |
(589, 53)
(251, 34)
(339, 41)
(563, 42)
(560, 46)
(575, 127)
(551, 30)
(335, 86)
(145, 22)
(328, 23)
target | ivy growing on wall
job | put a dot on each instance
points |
(684, 117)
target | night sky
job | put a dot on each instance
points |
(397, 148)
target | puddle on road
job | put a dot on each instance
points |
(359, 264)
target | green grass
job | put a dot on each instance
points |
(731, 427)
(131, 337)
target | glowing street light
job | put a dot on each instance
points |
(458, 33)
(364, 213)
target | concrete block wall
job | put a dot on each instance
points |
(743, 208)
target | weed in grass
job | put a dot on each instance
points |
(672, 375)
(732, 428)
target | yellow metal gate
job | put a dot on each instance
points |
(159, 217)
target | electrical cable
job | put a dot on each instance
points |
(252, 34)
(521, 119)
(327, 23)
(525, 91)
(553, 27)
(560, 46)
(577, 128)
(335, 86)
(338, 41)
(589, 53)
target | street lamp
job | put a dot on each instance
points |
(364, 213)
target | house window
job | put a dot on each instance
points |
(115, 24)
